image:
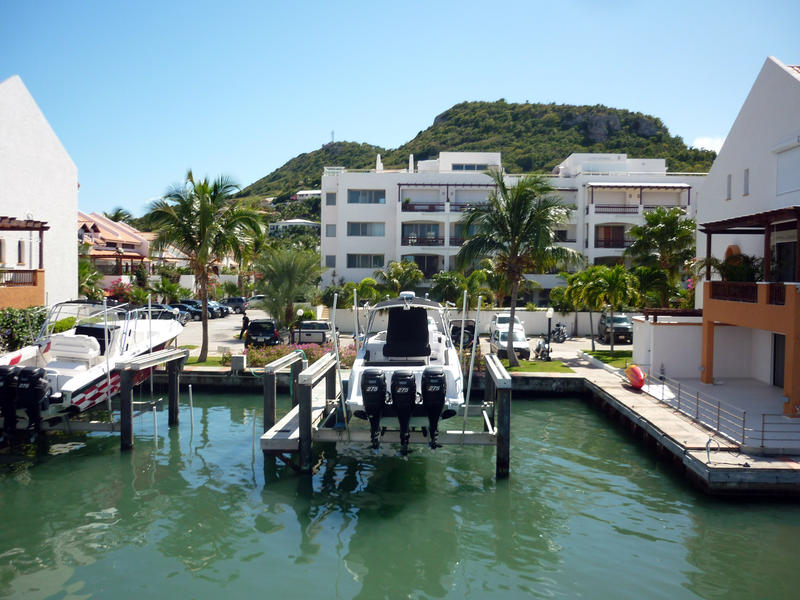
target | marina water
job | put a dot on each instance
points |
(587, 512)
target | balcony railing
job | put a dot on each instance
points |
(734, 291)
(423, 207)
(777, 293)
(652, 207)
(457, 241)
(413, 240)
(616, 209)
(18, 278)
(612, 243)
(462, 206)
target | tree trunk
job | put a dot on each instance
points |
(591, 329)
(512, 356)
(204, 299)
(611, 328)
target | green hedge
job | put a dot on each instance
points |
(19, 326)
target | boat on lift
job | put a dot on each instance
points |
(407, 372)
(70, 367)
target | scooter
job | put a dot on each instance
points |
(560, 333)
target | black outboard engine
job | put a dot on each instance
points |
(8, 398)
(373, 391)
(32, 395)
(404, 395)
(434, 390)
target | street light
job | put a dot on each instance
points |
(300, 313)
(549, 321)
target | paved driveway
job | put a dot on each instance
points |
(223, 333)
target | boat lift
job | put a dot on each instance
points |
(317, 416)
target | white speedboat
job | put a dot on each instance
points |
(406, 373)
(70, 366)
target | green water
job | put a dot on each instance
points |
(586, 513)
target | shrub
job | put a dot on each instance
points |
(260, 356)
(119, 291)
(19, 327)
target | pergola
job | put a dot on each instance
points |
(763, 223)
(14, 224)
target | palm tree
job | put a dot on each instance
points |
(167, 290)
(203, 219)
(666, 240)
(119, 214)
(654, 286)
(449, 286)
(399, 276)
(89, 280)
(583, 296)
(288, 275)
(614, 286)
(517, 227)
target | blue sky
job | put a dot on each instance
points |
(139, 92)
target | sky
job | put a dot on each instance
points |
(140, 92)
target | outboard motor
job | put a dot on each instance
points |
(8, 398)
(32, 395)
(373, 391)
(434, 390)
(404, 395)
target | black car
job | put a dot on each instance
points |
(261, 332)
(236, 303)
(194, 313)
(622, 328)
(213, 313)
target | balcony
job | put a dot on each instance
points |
(457, 241)
(21, 288)
(463, 206)
(734, 291)
(612, 243)
(413, 240)
(423, 207)
(616, 209)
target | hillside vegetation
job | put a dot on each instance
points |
(532, 138)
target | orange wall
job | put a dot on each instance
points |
(23, 296)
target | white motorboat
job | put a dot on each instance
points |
(406, 373)
(70, 366)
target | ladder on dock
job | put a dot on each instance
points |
(313, 416)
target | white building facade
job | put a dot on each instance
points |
(370, 218)
(39, 182)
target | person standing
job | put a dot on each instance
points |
(245, 323)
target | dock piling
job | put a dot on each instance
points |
(126, 409)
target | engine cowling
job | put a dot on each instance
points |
(9, 377)
(434, 392)
(404, 395)
(32, 394)
(373, 393)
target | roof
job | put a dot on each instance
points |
(108, 230)
(654, 186)
(14, 224)
(795, 68)
(753, 223)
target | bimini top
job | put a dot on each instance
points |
(407, 300)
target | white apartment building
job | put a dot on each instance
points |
(370, 218)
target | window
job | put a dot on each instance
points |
(20, 252)
(746, 187)
(729, 187)
(561, 235)
(330, 230)
(330, 261)
(366, 196)
(366, 229)
(330, 199)
(2, 251)
(469, 167)
(364, 261)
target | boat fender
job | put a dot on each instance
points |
(636, 376)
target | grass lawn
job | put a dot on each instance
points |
(188, 347)
(538, 366)
(621, 359)
(212, 361)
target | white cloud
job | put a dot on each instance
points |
(709, 143)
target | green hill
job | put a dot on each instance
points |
(532, 138)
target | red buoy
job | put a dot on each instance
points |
(635, 376)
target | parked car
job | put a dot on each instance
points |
(213, 313)
(501, 320)
(222, 309)
(313, 332)
(253, 300)
(455, 331)
(261, 332)
(237, 304)
(194, 313)
(622, 328)
(498, 344)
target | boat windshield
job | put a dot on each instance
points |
(68, 315)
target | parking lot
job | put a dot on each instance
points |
(223, 333)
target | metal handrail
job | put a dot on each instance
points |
(774, 426)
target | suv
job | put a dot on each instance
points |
(236, 303)
(312, 332)
(498, 344)
(622, 328)
(261, 332)
(500, 321)
(213, 313)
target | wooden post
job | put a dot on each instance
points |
(173, 383)
(768, 252)
(270, 395)
(126, 409)
(330, 384)
(304, 415)
(296, 368)
(503, 425)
